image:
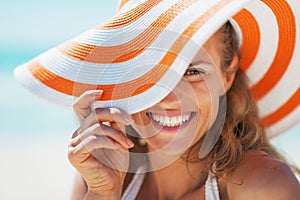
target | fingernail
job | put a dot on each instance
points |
(130, 143)
(98, 94)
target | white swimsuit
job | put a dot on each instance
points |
(131, 192)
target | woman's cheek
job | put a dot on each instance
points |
(207, 100)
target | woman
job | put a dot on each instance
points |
(245, 165)
(202, 139)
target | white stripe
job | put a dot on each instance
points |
(282, 92)
(269, 40)
(91, 73)
(238, 31)
(288, 84)
(24, 76)
(188, 16)
(116, 36)
(285, 124)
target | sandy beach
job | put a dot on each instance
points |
(35, 169)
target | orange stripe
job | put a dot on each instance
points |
(58, 83)
(130, 88)
(128, 50)
(283, 111)
(286, 46)
(250, 45)
(130, 16)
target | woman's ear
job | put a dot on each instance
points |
(230, 73)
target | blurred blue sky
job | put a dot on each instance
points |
(40, 24)
(28, 28)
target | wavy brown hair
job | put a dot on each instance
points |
(242, 129)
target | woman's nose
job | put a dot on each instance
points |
(173, 99)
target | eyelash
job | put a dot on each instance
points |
(194, 72)
(194, 75)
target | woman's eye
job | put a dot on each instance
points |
(194, 74)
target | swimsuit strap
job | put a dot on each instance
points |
(131, 192)
(135, 185)
(211, 188)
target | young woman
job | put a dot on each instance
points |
(243, 163)
(165, 108)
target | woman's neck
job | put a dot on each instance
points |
(177, 179)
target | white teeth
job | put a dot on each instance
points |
(160, 119)
(185, 117)
(171, 121)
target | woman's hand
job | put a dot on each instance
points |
(99, 148)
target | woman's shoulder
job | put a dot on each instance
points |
(259, 176)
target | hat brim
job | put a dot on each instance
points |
(133, 56)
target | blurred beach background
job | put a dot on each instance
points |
(34, 134)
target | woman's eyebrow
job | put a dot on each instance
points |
(199, 62)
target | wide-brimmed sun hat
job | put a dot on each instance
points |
(133, 56)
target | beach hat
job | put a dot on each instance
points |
(133, 56)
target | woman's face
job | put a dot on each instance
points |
(183, 117)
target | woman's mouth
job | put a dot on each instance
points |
(170, 121)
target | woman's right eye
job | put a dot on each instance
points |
(194, 74)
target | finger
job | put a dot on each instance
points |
(112, 115)
(114, 159)
(84, 149)
(82, 105)
(86, 99)
(100, 129)
(118, 127)
(76, 133)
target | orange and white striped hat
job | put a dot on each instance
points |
(125, 55)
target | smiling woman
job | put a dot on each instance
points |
(162, 87)
(195, 99)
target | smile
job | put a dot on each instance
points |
(173, 121)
